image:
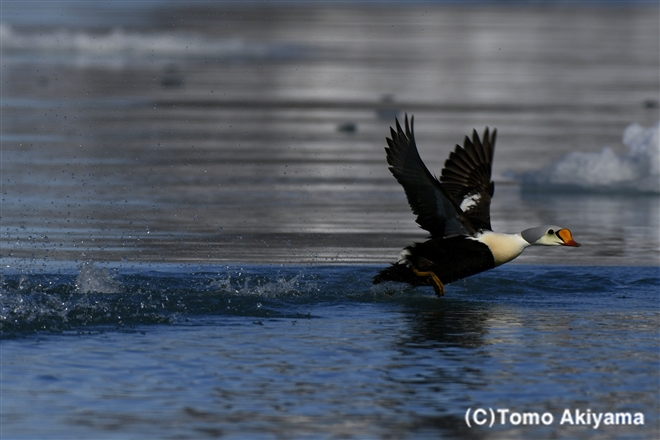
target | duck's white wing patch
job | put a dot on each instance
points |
(470, 201)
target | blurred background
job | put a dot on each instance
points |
(254, 132)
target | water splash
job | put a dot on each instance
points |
(637, 171)
(65, 301)
(286, 284)
(92, 279)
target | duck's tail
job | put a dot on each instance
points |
(400, 273)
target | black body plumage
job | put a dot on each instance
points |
(451, 259)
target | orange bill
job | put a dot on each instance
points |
(567, 238)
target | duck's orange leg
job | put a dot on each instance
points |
(433, 280)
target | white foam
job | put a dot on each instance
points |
(637, 171)
(120, 45)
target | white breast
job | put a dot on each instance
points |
(504, 247)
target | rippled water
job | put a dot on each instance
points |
(266, 351)
(186, 189)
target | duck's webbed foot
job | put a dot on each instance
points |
(432, 279)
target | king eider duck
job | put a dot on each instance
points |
(455, 210)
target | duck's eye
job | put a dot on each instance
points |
(551, 231)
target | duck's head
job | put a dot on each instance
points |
(549, 236)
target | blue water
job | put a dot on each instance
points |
(184, 351)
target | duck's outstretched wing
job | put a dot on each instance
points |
(467, 177)
(436, 211)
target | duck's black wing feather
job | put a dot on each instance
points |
(436, 210)
(467, 177)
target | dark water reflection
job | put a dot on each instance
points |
(522, 355)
